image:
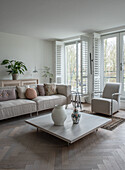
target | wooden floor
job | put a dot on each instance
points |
(21, 147)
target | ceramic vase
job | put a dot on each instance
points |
(59, 115)
(75, 116)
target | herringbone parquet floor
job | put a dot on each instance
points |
(22, 148)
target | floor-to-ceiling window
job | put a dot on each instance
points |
(76, 55)
(110, 59)
(73, 66)
(113, 57)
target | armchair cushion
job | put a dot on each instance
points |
(103, 105)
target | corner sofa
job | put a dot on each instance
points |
(17, 107)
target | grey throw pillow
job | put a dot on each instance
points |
(41, 90)
(7, 95)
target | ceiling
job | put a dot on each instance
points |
(59, 19)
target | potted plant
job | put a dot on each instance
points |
(47, 74)
(14, 67)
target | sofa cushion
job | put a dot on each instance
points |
(34, 86)
(50, 89)
(21, 92)
(9, 88)
(41, 90)
(30, 93)
(48, 102)
(9, 94)
(16, 107)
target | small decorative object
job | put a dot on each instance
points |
(14, 67)
(47, 74)
(59, 115)
(75, 116)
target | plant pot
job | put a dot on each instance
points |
(59, 115)
(15, 76)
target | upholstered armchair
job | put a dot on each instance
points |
(109, 102)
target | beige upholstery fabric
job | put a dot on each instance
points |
(48, 102)
(111, 88)
(105, 105)
(21, 92)
(65, 90)
(16, 107)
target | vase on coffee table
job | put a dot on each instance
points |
(75, 116)
(59, 115)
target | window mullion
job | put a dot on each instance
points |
(76, 65)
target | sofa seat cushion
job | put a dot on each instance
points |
(103, 105)
(48, 102)
(17, 107)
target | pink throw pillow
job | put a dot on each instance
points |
(31, 93)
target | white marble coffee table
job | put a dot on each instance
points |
(69, 132)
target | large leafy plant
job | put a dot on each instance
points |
(14, 67)
(46, 72)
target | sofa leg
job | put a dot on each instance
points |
(37, 113)
(30, 114)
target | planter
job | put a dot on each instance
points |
(59, 115)
(15, 76)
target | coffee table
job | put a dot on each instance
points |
(69, 132)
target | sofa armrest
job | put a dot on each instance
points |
(64, 90)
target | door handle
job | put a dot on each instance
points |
(121, 66)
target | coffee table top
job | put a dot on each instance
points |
(69, 132)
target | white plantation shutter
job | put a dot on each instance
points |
(59, 62)
(97, 63)
(84, 64)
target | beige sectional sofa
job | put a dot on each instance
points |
(12, 108)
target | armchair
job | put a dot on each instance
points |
(109, 102)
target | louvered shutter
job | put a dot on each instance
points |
(59, 62)
(97, 63)
(84, 64)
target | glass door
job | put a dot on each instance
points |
(110, 59)
(73, 60)
(114, 59)
(70, 52)
(76, 58)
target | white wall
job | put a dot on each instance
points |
(32, 51)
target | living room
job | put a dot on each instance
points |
(67, 58)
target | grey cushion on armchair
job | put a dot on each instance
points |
(107, 104)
